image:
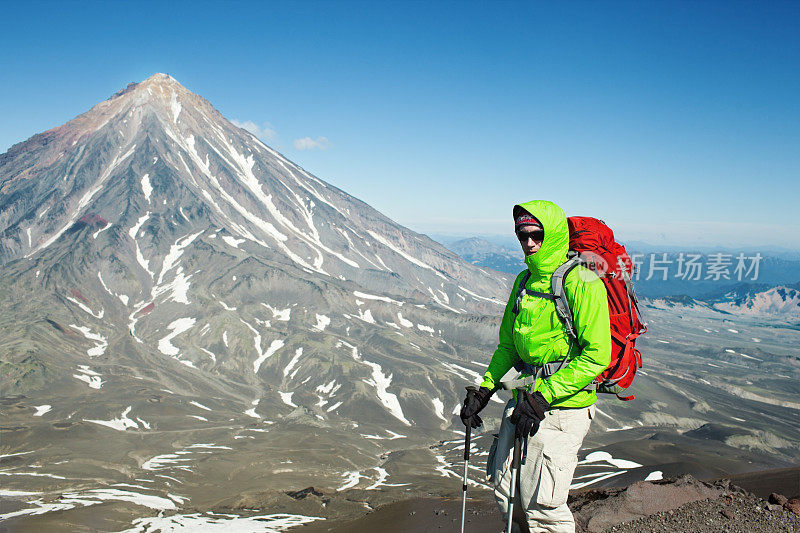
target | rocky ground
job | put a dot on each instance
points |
(733, 513)
(682, 504)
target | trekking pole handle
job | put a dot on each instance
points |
(471, 391)
(515, 461)
(467, 443)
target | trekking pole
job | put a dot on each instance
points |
(464, 485)
(514, 473)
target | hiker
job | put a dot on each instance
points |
(552, 417)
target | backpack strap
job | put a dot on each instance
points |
(521, 292)
(558, 296)
(562, 304)
(534, 372)
(559, 299)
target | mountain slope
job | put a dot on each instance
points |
(179, 297)
(780, 302)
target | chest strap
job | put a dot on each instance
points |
(535, 372)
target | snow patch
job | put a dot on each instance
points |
(599, 456)
(201, 406)
(374, 297)
(404, 322)
(42, 409)
(438, 408)
(147, 189)
(120, 424)
(175, 106)
(279, 314)
(274, 347)
(232, 241)
(177, 327)
(381, 383)
(86, 308)
(655, 476)
(210, 522)
(322, 322)
(91, 377)
(286, 397)
(293, 362)
(351, 480)
(102, 343)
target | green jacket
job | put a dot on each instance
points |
(538, 336)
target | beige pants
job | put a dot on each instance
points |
(547, 473)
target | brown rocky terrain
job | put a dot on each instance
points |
(677, 504)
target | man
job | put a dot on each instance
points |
(554, 413)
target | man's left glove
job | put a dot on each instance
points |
(474, 403)
(528, 413)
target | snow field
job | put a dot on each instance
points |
(42, 409)
(102, 343)
(177, 327)
(122, 423)
(279, 314)
(381, 383)
(322, 322)
(293, 362)
(622, 466)
(232, 241)
(147, 189)
(286, 397)
(91, 377)
(86, 308)
(71, 500)
(210, 522)
(252, 411)
(273, 347)
(438, 409)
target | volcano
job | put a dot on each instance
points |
(183, 301)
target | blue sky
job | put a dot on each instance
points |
(675, 122)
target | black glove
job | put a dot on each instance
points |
(528, 413)
(475, 401)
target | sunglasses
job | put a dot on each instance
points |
(536, 235)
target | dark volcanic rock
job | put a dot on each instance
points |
(638, 500)
(300, 494)
(736, 513)
(793, 505)
(778, 499)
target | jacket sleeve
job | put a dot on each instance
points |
(505, 355)
(587, 297)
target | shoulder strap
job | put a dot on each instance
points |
(558, 296)
(521, 292)
(562, 304)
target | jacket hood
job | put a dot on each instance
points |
(556, 237)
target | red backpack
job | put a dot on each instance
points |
(592, 245)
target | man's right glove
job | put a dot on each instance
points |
(528, 413)
(475, 401)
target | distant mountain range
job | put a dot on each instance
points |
(659, 272)
(777, 301)
(489, 254)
